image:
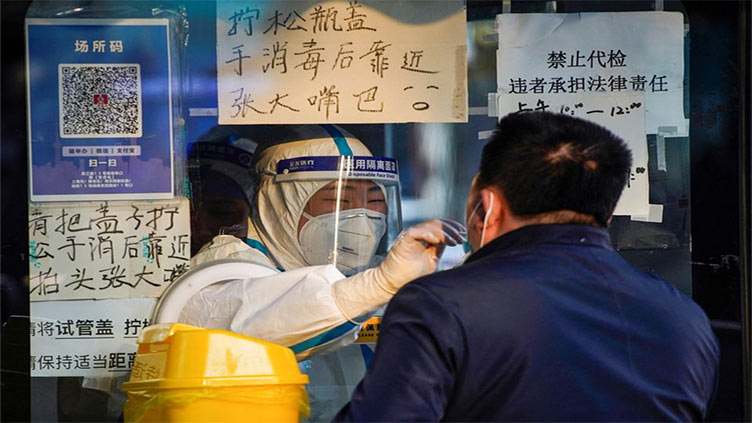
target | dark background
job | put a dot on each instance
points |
(718, 241)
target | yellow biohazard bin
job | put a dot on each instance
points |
(184, 373)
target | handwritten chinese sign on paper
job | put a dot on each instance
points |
(106, 249)
(341, 61)
(623, 52)
(87, 337)
(622, 113)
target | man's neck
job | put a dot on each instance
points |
(558, 217)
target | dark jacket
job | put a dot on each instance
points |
(544, 323)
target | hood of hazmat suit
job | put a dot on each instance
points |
(302, 162)
(224, 152)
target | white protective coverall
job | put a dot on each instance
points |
(313, 309)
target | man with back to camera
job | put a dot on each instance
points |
(544, 321)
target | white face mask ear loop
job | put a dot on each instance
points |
(485, 220)
(468, 220)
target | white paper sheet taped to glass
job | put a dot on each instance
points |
(93, 338)
(341, 62)
(561, 54)
(106, 249)
(622, 113)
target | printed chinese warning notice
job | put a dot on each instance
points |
(106, 249)
(583, 53)
(341, 61)
(88, 337)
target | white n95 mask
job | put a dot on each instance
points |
(348, 240)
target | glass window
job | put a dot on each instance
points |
(701, 179)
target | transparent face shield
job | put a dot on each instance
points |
(354, 217)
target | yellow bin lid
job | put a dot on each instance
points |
(176, 356)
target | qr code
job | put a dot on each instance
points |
(100, 100)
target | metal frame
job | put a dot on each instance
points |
(745, 138)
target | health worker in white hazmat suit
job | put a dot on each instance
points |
(323, 212)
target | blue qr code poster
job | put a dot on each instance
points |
(100, 109)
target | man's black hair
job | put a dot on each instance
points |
(545, 162)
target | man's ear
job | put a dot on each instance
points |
(494, 205)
